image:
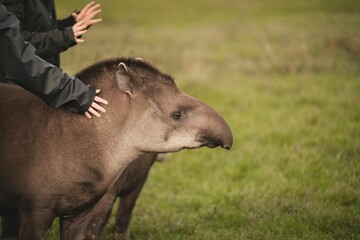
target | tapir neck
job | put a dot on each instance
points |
(118, 151)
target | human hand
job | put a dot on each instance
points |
(79, 29)
(96, 107)
(88, 13)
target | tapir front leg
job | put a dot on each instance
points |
(35, 224)
(75, 227)
(101, 214)
(89, 224)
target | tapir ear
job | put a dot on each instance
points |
(124, 79)
(139, 59)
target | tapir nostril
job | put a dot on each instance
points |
(208, 141)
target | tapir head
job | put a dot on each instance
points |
(162, 118)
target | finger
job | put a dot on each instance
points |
(97, 91)
(93, 14)
(81, 26)
(78, 26)
(79, 33)
(98, 107)
(95, 7)
(92, 22)
(88, 6)
(93, 112)
(100, 100)
(88, 115)
(79, 40)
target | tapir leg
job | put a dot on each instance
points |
(134, 183)
(35, 224)
(101, 214)
(89, 224)
(123, 215)
(75, 227)
(9, 227)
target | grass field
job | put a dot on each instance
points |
(286, 77)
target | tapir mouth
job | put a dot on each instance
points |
(213, 143)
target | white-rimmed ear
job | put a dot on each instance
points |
(124, 79)
(124, 66)
(139, 59)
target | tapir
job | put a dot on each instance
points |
(58, 164)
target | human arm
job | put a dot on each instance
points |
(48, 40)
(18, 63)
(52, 42)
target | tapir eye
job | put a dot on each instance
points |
(176, 115)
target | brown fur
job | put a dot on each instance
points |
(91, 74)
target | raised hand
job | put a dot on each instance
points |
(88, 13)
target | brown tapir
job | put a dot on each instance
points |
(54, 163)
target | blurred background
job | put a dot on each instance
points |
(285, 75)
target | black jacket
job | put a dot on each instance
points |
(19, 64)
(40, 27)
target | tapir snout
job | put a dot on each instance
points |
(215, 131)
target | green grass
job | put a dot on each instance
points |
(286, 77)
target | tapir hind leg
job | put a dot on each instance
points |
(123, 215)
(35, 224)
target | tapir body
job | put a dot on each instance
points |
(58, 164)
(127, 187)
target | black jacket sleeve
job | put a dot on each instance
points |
(48, 43)
(18, 63)
(66, 22)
